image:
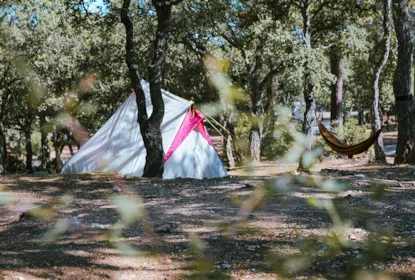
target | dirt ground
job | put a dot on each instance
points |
(176, 209)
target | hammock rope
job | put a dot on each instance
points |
(212, 120)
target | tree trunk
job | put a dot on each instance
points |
(336, 116)
(155, 159)
(255, 133)
(45, 150)
(255, 136)
(150, 127)
(257, 107)
(132, 64)
(29, 151)
(69, 138)
(405, 106)
(56, 146)
(230, 159)
(361, 117)
(3, 151)
(310, 103)
(2, 140)
(229, 144)
(377, 123)
(310, 112)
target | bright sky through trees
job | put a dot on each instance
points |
(95, 5)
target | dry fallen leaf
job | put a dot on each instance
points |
(167, 261)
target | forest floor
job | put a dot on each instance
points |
(176, 209)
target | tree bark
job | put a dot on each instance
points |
(45, 150)
(56, 146)
(3, 151)
(405, 106)
(255, 133)
(155, 157)
(361, 117)
(258, 90)
(150, 126)
(257, 111)
(377, 122)
(29, 151)
(69, 137)
(230, 159)
(310, 111)
(255, 136)
(308, 91)
(336, 116)
(132, 64)
(310, 103)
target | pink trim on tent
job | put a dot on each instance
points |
(192, 121)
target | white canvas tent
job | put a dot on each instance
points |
(118, 145)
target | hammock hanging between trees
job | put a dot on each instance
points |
(344, 149)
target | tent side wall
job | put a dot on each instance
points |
(118, 145)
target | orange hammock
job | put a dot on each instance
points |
(344, 149)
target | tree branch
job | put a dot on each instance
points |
(132, 64)
(271, 74)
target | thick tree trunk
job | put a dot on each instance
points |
(155, 159)
(405, 106)
(132, 64)
(377, 122)
(3, 151)
(336, 116)
(255, 133)
(150, 127)
(45, 150)
(310, 103)
(29, 151)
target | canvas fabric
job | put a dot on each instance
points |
(118, 145)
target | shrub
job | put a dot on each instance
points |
(276, 143)
(276, 139)
(15, 164)
(351, 133)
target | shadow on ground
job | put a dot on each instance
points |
(209, 209)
